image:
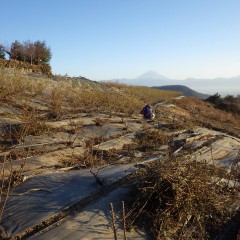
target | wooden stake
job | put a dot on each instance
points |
(124, 220)
(113, 222)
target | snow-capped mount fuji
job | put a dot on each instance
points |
(149, 79)
(223, 86)
(152, 75)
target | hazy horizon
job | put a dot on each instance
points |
(114, 39)
(223, 86)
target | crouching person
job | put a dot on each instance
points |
(147, 112)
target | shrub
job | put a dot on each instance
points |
(215, 99)
(177, 199)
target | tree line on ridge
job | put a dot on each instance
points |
(32, 52)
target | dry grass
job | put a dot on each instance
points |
(17, 85)
(172, 196)
(25, 66)
(66, 96)
(144, 94)
(204, 114)
(151, 140)
(86, 160)
(176, 199)
(9, 179)
(31, 125)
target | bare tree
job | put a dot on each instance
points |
(16, 51)
(30, 51)
(42, 52)
(33, 52)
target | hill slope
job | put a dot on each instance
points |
(69, 148)
(185, 90)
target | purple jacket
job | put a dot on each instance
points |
(146, 111)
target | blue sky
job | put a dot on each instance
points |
(106, 39)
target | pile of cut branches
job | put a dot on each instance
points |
(178, 199)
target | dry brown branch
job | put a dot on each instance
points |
(113, 221)
(124, 220)
(4, 200)
(2, 177)
(180, 200)
(98, 180)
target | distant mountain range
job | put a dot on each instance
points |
(223, 86)
(186, 91)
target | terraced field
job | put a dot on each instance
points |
(59, 175)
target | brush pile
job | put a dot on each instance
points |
(179, 199)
